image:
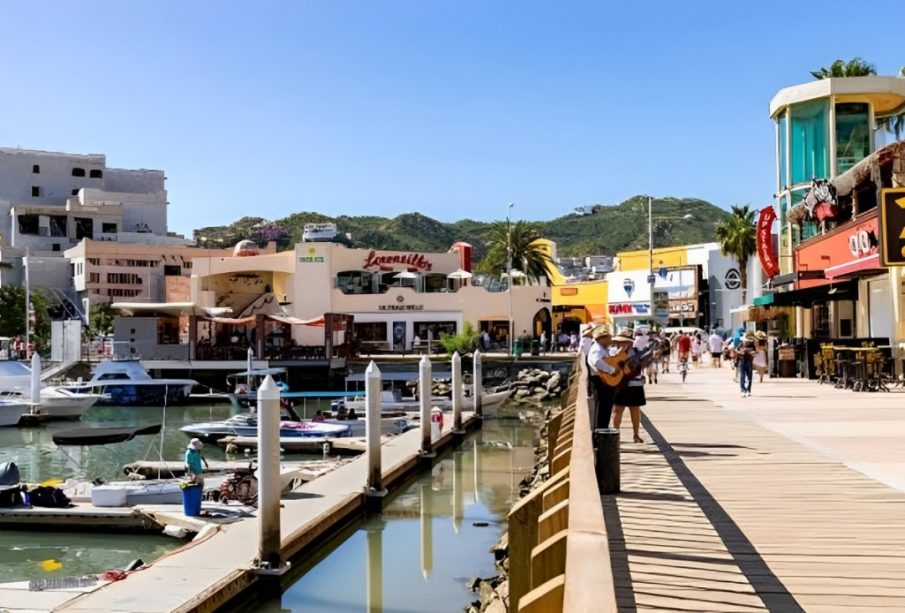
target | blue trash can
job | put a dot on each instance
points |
(191, 500)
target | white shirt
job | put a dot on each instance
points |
(716, 343)
(595, 358)
(696, 347)
(584, 346)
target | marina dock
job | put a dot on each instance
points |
(222, 561)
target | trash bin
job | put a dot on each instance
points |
(517, 347)
(787, 361)
(606, 465)
(191, 500)
(535, 347)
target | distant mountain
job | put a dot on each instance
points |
(592, 230)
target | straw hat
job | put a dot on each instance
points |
(601, 331)
(626, 336)
(585, 329)
(760, 335)
(194, 444)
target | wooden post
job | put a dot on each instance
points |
(425, 383)
(478, 385)
(374, 485)
(269, 473)
(457, 392)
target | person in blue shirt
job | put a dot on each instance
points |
(193, 462)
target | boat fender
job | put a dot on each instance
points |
(328, 447)
(174, 531)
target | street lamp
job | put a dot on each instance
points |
(650, 249)
(509, 273)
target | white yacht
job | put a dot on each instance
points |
(127, 383)
(55, 402)
(11, 411)
(318, 232)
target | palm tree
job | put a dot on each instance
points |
(528, 256)
(855, 67)
(737, 237)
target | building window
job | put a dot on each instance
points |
(55, 247)
(96, 174)
(172, 271)
(28, 224)
(810, 150)
(371, 332)
(94, 277)
(852, 134)
(35, 191)
(75, 191)
(108, 228)
(58, 225)
(36, 169)
(78, 172)
(84, 228)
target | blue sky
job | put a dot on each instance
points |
(449, 108)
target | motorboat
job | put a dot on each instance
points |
(243, 386)
(11, 411)
(246, 424)
(128, 383)
(55, 402)
(124, 493)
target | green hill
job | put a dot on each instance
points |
(596, 230)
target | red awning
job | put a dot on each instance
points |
(295, 321)
(241, 321)
(870, 262)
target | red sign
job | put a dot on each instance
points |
(841, 253)
(408, 260)
(765, 250)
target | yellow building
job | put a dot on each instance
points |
(574, 303)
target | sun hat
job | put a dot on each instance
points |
(760, 334)
(585, 329)
(194, 444)
(626, 336)
(601, 330)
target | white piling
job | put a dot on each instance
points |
(35, 379)
(427, 533)
(457, 392)
(374, 485)
(425, 385)
(269, 473)
(249, 362)
(478, 385)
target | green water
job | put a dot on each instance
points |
(418, 554)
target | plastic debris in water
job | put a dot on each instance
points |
(50, 565)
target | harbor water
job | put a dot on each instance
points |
(430, 539)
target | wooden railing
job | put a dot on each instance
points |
(559, 556)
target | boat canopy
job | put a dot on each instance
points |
(257, 372)
(101, 436)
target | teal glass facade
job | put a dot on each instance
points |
(809, 152)
(783, 152)
(852, 134)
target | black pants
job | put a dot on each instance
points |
(605, 396)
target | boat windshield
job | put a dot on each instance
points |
(114, 375)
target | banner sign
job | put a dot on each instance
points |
(765, 250)
(892, 227)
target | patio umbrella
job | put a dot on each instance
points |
(459, 274)
(405, 275)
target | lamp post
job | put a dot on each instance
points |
(509, 273)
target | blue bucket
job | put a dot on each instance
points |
(191, 500)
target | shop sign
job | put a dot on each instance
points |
(682, 307)
(862, 242)
(400, 307)
(568, 291)
(733, 279)
(842, 253)
(407, 260)
(312, 257)
(629, 308)
(628, 285)
(892, 227)
(766, 252)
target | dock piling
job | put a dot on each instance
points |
(478, 385)
(269, 474)
(457, 392)
(425, 384)
(374, 485)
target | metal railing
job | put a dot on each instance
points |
(559, 556)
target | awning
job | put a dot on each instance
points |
(798, 275)
(847, 290)
(864, 265)
(169, 308)
(765, 300)
(246, 321)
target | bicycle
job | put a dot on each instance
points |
(683, 369)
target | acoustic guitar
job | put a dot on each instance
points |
(624, 366)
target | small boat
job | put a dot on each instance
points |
(246, 424)
(393, 400)
(55, 402)
(101, 436)
(127, 383)
(131, 493)
(11, 411)
(243, 386)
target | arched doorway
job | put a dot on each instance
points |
(543, 324)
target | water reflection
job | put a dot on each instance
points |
(430, 538)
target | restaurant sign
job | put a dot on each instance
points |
(312, 257)
(892, 227)
(393, 260)
(766, 252)
(629, 308)
(400, 307)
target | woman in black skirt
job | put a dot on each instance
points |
(631, 394)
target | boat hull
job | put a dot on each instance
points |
(10, 414)
(214, 431)
(69, 406)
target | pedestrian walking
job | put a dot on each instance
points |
(746, 364)
(543, 342)
(715, 343)
(697, 350)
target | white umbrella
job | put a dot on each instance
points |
(516, 273)
(459, 274)
(405, 275)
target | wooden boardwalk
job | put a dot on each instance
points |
(719, 512)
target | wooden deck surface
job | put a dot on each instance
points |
(722, 510)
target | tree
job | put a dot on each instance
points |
(463, 342)
(737, 237)
(12, 313)
(855, 67)
(528, 256)
(101, 318)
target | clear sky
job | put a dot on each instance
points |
(452, 108)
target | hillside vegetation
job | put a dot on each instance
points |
(603, 230)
